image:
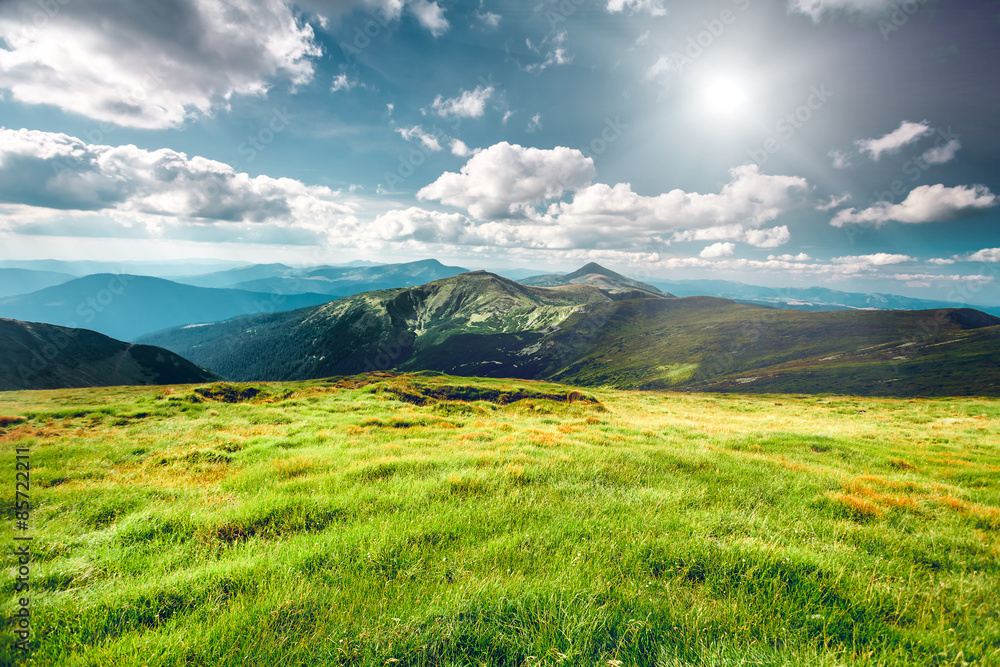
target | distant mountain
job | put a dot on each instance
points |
(161, 269)
(42, 356)
(23, 281)
(126, 306)
(598, 276)
(329, 280)
(481, 324)
(808, 298)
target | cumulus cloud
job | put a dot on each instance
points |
(429, 141)
(651, 7)
(904, 135)
(877, 259)
(459, 148)
(768, 238)
(151, 64)
(470, 104)
(504, 178)
(927, 203)
(57, 171)
(940, 261)
(817, 9)
(801, 257)
(431, 16)
(985, 255)
(750, 198)
(941, 154)
(833, 201)
(759, 238)
(718, 250)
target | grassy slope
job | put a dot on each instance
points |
(333, 523)
(643, 344)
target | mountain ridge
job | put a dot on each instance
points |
(34, 355)
(479, 323)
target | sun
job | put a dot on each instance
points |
(724, 95)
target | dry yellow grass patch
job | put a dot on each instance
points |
(293, 467)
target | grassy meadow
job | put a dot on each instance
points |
(433, 520)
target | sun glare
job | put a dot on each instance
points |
(724, 96)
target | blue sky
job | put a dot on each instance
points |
(847, 143)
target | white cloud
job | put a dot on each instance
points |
(940, 261)
(459, 148)
(759, 238)
(343, 82)
(801, 257)
(651, 7)
(985, 255)
(841, 159)
(556, 52)
(669, 63)
(57, 171)
(768, 238)
(470, 104)
(941, 154)
(749, 199)
(833, 201)
(146, 64)
(877, 259)
(489, 19)
(504, 178)
(430, 15)
(927, 203)
(429, 141)
(817, 9)
(535, 124)
(718, 250)
(904, 135)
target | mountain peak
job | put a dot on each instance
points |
(593, 268)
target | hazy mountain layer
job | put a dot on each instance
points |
(125, 306)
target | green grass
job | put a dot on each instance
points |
(434, 520)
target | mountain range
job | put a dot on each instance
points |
(125, 306)
(328, 280)
(43, 356)
(600, 328)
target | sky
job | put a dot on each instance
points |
(851, 144)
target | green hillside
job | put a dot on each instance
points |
(43, 356)
(436, 520)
